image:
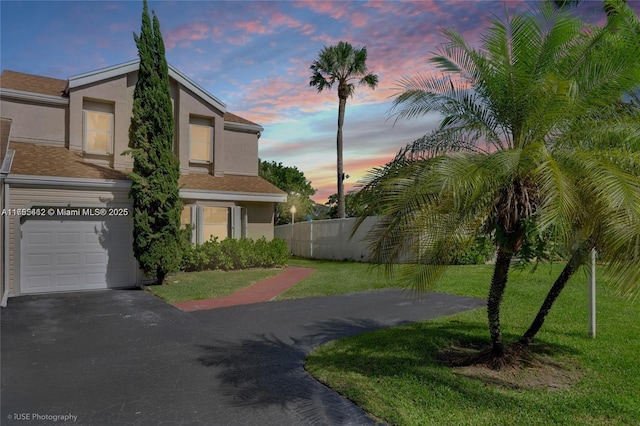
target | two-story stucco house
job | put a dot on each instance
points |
(66, 222)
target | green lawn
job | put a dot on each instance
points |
(332, 278)
(391, 373)
(208, 284)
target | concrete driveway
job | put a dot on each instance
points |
(127, 358)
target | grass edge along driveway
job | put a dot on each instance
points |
(392, 374)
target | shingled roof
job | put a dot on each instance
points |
(42, 160)
(32, 83)
(55, 87)
(39, 160)
(228, 183)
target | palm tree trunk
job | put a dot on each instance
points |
(498, 284)
(569, 269)
(341, 108)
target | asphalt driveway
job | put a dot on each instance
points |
(127, 358)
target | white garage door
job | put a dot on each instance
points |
(76, 254)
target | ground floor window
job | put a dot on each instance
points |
(214, 221)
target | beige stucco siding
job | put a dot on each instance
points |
(189, 104)
(260, 220)
(117, 91)
(240, 153)
(20, 198)
(33, 122)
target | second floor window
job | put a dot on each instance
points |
(98, 128)
(201, 141)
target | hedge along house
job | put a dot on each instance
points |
(66, 222)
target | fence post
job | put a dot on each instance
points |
(592, 295)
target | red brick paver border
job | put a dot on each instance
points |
(261, 291)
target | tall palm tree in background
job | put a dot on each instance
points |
(535, 147)
(341, 64)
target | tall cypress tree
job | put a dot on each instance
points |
(157, 237)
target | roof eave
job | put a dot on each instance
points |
(65, 182)
(243, 127)
(21, 95)
(131, 66)
(232, 196)
(103, 74)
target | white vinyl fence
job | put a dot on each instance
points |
(328, 239)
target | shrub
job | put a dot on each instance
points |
(479, 253)
(231, 254)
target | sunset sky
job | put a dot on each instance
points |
(255, 57)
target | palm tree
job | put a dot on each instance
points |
(562, 4)
(532, 148)
(341, 64)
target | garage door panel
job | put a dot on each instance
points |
(92, 237)
(68, 259)
(42, 260)
(95, 279)
(74, 254)
(69, 280)
(39, 238)
(39, 281)
(98, 259)
(68, 238)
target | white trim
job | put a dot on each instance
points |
(5, 242)
(232, 196)
(103, 74)
(75, 205)
(5, 167)
(233, 126)
(33, 97)
(66, 182)
(132, 66)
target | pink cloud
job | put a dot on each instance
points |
(336, 10)
(394, 8)
(278, 19)
(308, 29)
(358, 19)
(327, 39)
(184, 34)
(283, 94)
(239, 40)
(408, 9)
(254, 27)
(323, 178)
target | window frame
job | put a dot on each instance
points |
(86, 131)
(209, 143)
(203, 224)
(237, 221)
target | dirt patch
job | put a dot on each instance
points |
(528, 369)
